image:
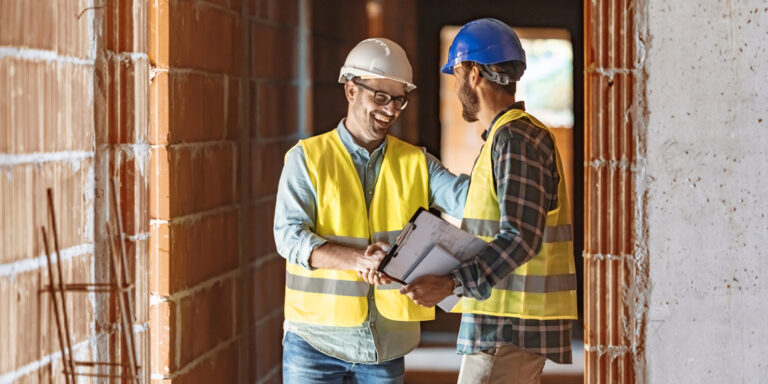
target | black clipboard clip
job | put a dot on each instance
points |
(400, 240)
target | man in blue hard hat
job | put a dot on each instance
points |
(519, 293)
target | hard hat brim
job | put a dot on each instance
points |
(355, 72)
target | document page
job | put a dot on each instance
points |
(431, 245)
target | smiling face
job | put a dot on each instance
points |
(367, 121)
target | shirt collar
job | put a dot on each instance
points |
(516, 105)
(350, 143)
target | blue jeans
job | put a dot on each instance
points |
(303, 364)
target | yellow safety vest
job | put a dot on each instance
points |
(544, 287)
(336, 297)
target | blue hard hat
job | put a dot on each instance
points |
(484, 41)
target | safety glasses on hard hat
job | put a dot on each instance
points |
(382, 98)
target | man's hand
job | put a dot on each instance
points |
(372, 276)
(372, 257)
(428, 290)
(369, 262)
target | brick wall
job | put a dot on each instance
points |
(73, 115)
(224, 110)
(190, 105)
(333, 32)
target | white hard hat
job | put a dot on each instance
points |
(378, 58)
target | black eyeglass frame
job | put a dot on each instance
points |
(388, 98)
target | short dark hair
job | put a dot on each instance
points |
(513, 69)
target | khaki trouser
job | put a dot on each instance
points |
(507, 364)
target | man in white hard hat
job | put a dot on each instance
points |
(342, 197)
(519, 293)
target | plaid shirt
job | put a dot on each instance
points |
(525, 171)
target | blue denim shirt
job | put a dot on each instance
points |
(378, 338)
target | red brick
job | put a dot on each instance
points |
(277, 11)
(202, 249)
(219, 368)
(330, 106)
(143, 346)
(132, 183)
(137, 253)
(46, 25)
(223, 3)
(266, 348)
(159, 109)
(159, 259)
(23, 189)
(205, 37)
(29, 327)
(202, 178)
(159, 33)
(125, 26)
(346, 19)
(206, 320)
(277, 112)
(266, 166)
(160, 180)
(233, 108)
(128, 101)
(163, 335)
(274, 51)
(42, 101)
(262, 241)
(328, 55)
(201, 107)
(267, 289)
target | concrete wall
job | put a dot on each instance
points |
(707, 170)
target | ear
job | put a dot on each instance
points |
(474, 76)
(350, 91)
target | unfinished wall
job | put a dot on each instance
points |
(73, 115)
(224, 110)
(615, 260)
(707, 147)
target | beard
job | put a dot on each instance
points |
(470, 102)
(372, 127)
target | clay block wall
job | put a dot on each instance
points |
(73, 114)
(334, 31)
(224, 110)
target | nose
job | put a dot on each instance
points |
(390, 108)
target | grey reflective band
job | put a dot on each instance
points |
(354, 242)
(489, 228)
(326, 286)
(390, 286)
(386, 237)
(538, 284)
(558, 234)
(480, 227)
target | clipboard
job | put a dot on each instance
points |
(429, 245)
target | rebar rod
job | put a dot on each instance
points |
(52, 291)
(52, 212)
(126, 277)
(121, 297)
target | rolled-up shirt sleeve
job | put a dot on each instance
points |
(296, 211)
(447, 192)
(522, 180)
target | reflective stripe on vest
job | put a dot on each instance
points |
(339, 298)
(544, 287)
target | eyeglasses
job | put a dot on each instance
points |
(382, 98)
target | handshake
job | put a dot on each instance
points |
(367, 264)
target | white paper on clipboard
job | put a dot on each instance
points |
(430, 245)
